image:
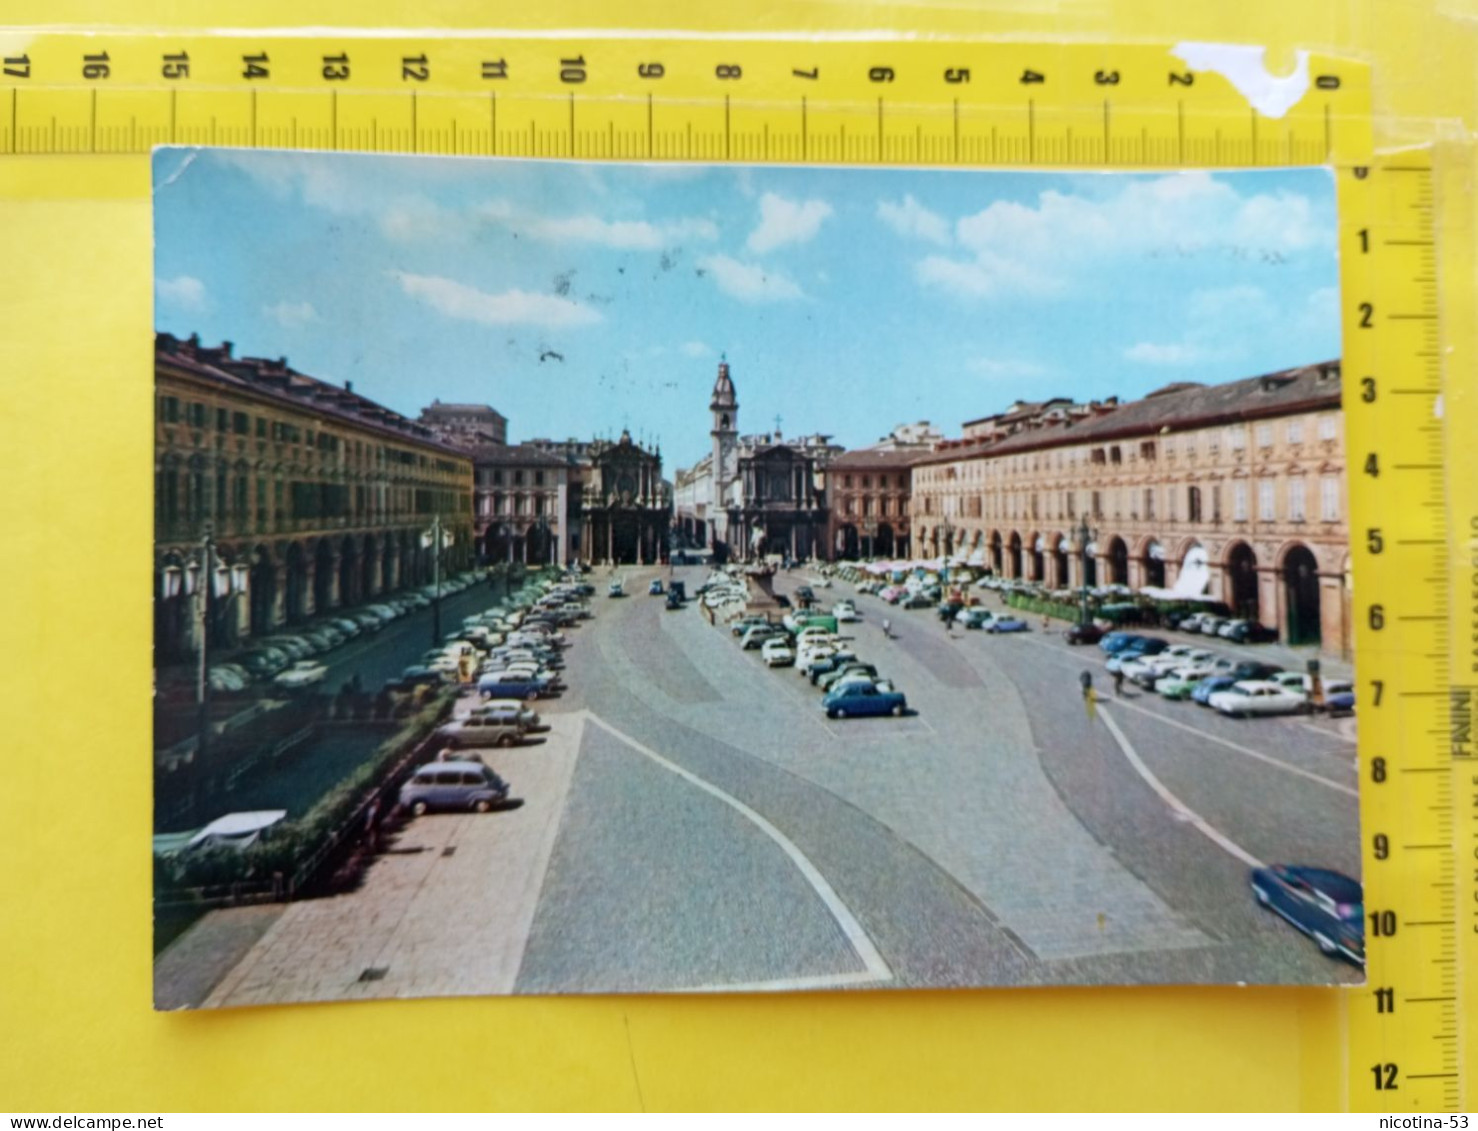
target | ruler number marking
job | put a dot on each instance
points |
(1381, 846)
(1182, 78)
(175, 65)
(1377, 765)
(881, 74)
(1106, 78)
(18, 66)
(1383, 924)
(1367, 389)
(255, 66)
(1367, 315)
(495, 68)
(415, 68)
(336, 67)
(1031, 76)
(1385, 1076)
(1385, 999)
(96, 66)
(573, 69)
(956, 75)
(650, 70)
(812, 75)
(728, 71)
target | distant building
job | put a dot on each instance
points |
(778, 505)
(523, 505)
(626, 505)
(921, 436)
(868, 491)
(466, 424)
(1235, 492)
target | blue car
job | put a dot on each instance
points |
(1007, 624)
(1208, 687)
(1141, 647)
(507, 687)
(863, 699)
(1323, 904)
(1118, 641)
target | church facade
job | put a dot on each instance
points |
(626, 505)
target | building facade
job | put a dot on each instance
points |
(780, 507)
(1235, 491)
(523, 505)
(868, 492)
(466, 424)
(313, 497)
(626, 506)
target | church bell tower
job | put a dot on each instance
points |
(725, 433)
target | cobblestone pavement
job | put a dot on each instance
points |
(446, 911)
(695, 822)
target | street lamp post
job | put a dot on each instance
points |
(869, 531)
(1085, 537)
(435, 535)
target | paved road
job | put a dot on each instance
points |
(696, 823)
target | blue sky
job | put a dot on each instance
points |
(578, 299)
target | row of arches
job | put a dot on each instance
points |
(1283, 591)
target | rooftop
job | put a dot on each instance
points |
(275, 380)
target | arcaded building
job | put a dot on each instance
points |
(1235, 490)
(313, 496)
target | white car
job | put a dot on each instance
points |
(304, 673)
(1258, 697)
(844, 611)
(777, 653)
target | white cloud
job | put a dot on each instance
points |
(985, 275)
(621, 235)
(748, 282)
(511, 307)
(1005, 367)
(1165, 353)
(1053, 239)
(696, 349)
(184, 292)
(910, 218)
(291, 314)
(785, 222)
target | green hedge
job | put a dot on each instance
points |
(1043, 607)
(290, 844)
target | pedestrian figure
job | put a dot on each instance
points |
(1046, 622)
(887, 629)
(1085, 680)
(1118, 682)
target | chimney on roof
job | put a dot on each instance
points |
(1329, 371)
(194, 339)
(348, 386)
(226, 348)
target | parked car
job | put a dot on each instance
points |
(756, 636)
(974, 617)
(1249, 632)
(655, 588)
(1254, 669)
(1339, 697)
(1179, 683)
(821, 663)
(499, 685)
(1206, 688)
(844, 612)
(777, 652)
(1140, 647)
(828, 679)
(916, 601)
(496, 729)
(509, 708)
(454, 786)
(615, 589)
(1257, 697)
(1116, 642)
(1083, 634)
(1007, 624)
(303, 674)
(674, 601)
(1326, 905)
(861, 699)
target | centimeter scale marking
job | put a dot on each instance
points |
(961, 103)
(831, 100)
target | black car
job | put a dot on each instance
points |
(1250, 632)
(1254, 669)
(1083, 634)
(1324, 904)
(674, 599)
(782, 600)
(805, 593)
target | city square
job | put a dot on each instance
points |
(1110, 633)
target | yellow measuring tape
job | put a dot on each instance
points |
(880, 100)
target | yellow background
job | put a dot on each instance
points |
(77, 1031)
